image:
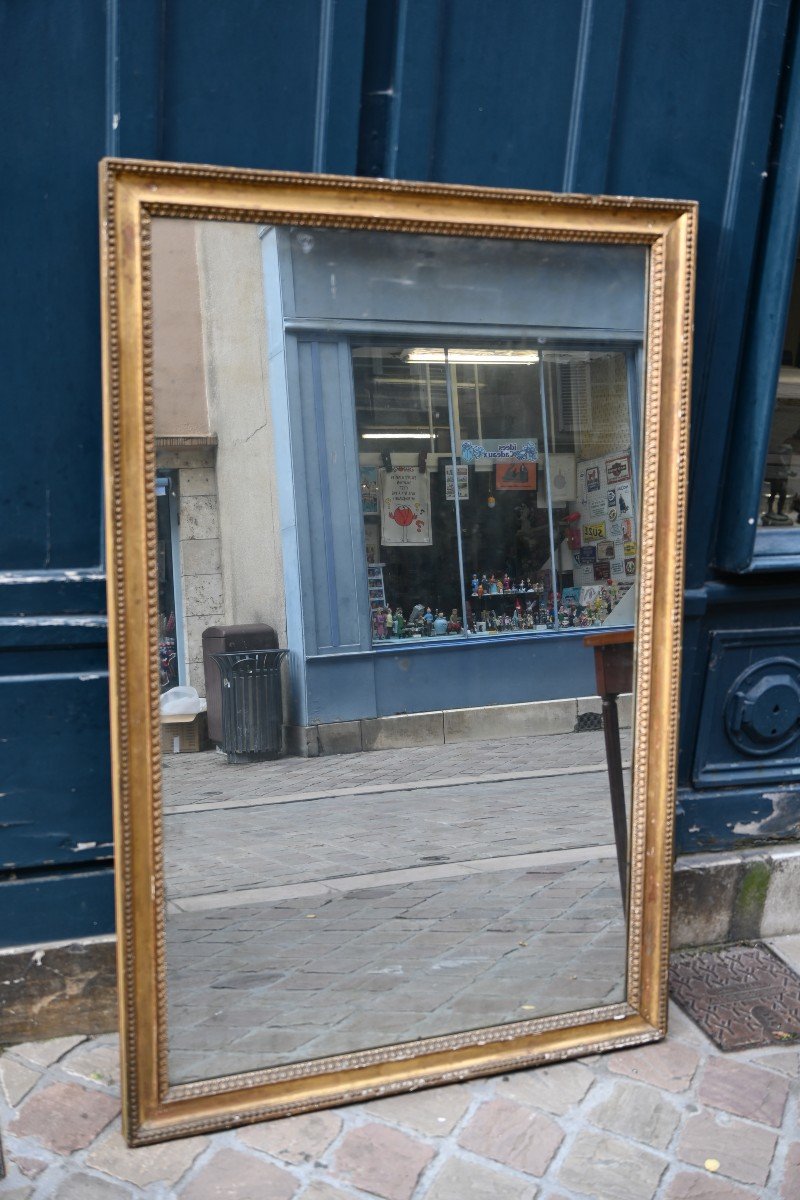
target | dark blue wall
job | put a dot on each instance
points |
(626, 96)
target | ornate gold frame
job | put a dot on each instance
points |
(132, 193)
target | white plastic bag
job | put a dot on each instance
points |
(182, 701)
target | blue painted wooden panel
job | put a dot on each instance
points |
(54, 759)
(50, 907)
(425, 678)
(245, 83)
(52, 111)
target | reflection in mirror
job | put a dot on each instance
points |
(780, 492)
(398, 506)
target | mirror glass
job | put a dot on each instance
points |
(397, 503)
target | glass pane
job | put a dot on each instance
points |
(780, 494)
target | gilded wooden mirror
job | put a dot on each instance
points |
(395, 485)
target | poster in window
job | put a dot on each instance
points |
(462, 474)
(515, 477)
(405, 507)
(618, 468)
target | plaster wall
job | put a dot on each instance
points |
(232, 305)
(179, 387)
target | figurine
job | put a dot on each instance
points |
(493, 588)
(416, 614)
(515, 622)
(440, 624)
(380, 623)
(428, 620)
(506, 583)
(399, 622)
(454, 624)
(480, 589)
(389, 623)
(475, 584)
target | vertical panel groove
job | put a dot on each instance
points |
(578, 92)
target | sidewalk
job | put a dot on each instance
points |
(672, 1121)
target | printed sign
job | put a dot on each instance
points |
(611, 497)
(462, 474)
(515, 477)
(617, 569)
(602, 570)
(630, 566)
(500, 449)
(593, 479)
(571, 595)
(630, 549)
(405, 507)
(618, 469)
(594, 532)
(605, 551)
(627, 529)
(587, 554)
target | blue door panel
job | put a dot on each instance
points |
(53, 907)
(52, 112)
(55, 767)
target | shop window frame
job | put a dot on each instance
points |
(525, 338)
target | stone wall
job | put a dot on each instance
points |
(199, 540)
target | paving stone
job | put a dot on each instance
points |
(462, 1180)
(637, 1112)
(164, 1163)
(744, 1091)
(514, 1135)
(20, 1193)
(65, 1117)
(17, 1079)
(785, 1061)
(598, 1165)
(295, 1139)
(44, 1054)
(791, 1173)
(234, 1176)
(555, 1089)
(97, 1063)
(693, 1185)
(324, 1191)
(744, 1152)
(30, 1167)
(434, 1113)
(382, 1161)
(669, 1065)
(81, 1186)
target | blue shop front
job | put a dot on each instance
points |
(455, 431)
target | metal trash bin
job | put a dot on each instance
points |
(252, 704)
(219, 639)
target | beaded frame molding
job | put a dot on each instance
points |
(132, 193)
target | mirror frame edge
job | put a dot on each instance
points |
(131, 192)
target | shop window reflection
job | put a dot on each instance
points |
(497, 488)
(780, 493)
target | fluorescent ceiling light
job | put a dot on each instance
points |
(423, 354)
(398, 434)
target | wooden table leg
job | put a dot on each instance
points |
(617, 784)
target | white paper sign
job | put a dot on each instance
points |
(463, 482)
(405, 507)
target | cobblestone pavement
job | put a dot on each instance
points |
(312, 921)
(265, 984)
(673, 1121)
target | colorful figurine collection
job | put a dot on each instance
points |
(538, 612)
